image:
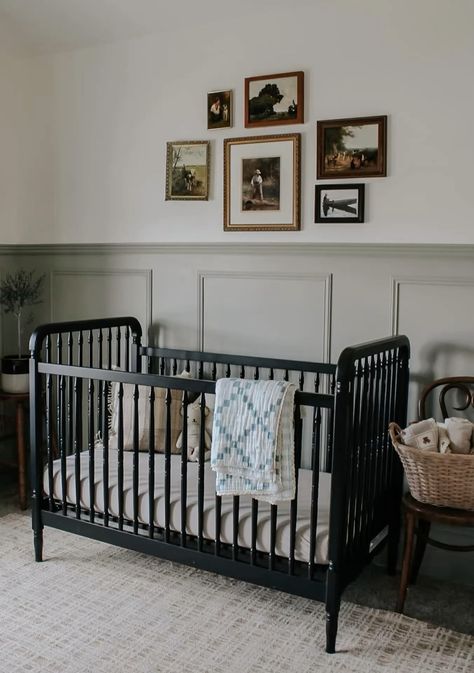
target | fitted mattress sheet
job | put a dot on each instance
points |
(302, 539)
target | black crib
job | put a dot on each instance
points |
(341, 417)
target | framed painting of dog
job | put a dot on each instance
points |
(271, 100)
(187, 170)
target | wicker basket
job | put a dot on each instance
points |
(442, 479)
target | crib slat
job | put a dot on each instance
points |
(90, 341)
(377, 439)
(218, 514)
(294, 502)
(120, 456)
(62, 440)
(100, 384)
(235, 527)
(202, 448)
(330, 420)
(127, 349)
(184, 467)
(315, 460)
(118, 344)
(105, 443)
(362, 480)
(369, 451)
(253, 546)
(109, 348)
(135, 468)
(80, 346)
(273, 525)
(168, 400)
(78, 447)
(151, 464)
(49, 438)
(90, 415)
(354, 458)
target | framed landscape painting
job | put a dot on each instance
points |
(343, 204)
(274, 99)
(187, 170)
(262, 183)
(352, 148)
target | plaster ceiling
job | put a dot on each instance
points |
(42, 26)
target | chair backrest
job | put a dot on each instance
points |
(450, 396)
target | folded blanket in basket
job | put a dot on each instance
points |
(253, 439)
(455, 435)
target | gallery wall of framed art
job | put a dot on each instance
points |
(262, 173)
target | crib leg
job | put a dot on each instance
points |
(37, 526)
(331, 630)
(333, 603)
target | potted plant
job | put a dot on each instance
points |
(18, 290)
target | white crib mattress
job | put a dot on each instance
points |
(302, 542)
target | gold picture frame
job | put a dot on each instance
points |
(187, 170)
(262, 183)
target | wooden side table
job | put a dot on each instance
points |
(19, 399)
(419, 517)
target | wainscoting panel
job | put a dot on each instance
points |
(436, 312)
(281, 315)
(80, 294)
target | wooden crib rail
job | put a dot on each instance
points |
(101, 342)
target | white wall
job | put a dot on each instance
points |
(99, 176)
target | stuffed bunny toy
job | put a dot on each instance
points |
(194, 432)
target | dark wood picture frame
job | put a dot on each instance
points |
(259, 108)
(273, 203)
(220, 109)
(335, 159)
(328, 209)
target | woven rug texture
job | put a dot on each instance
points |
(95, 608)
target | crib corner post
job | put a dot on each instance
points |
(35, 445)
(333, 603)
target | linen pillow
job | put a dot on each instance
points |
(144, 417)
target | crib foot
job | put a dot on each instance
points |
(331, 632)
(38, 545)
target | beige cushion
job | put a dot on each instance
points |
(144, 417)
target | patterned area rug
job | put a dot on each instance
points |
(94, 607)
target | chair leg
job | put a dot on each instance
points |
(410, 531)
(423, 530)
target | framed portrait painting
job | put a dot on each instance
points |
(274, 99)
(187, 170)
(262, 183)
(352, 148)
(343, 204)
(219, 109)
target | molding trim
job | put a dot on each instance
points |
(146, 274)
(326, 279)
(397, 283)
(309, 248)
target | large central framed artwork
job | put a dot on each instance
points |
(262, 183)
